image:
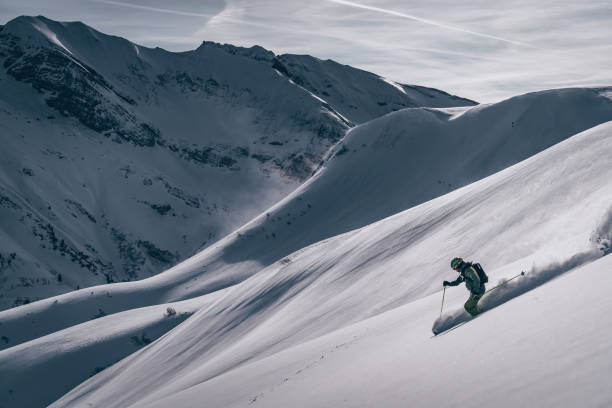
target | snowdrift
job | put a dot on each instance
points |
(509, 222)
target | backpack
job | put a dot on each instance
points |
(481, 273)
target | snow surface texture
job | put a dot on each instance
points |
(263, 327)
(544, 349)
(81, 351)
(118, 160)
(353, 189)
(360, 274)
(387, 264)
(505, 290)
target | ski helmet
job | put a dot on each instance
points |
(456, 262)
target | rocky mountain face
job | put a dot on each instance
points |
(118, 161)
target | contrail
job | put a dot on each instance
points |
(159, 10)
(425, 21)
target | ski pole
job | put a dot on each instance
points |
(443, 293)
(502, 284)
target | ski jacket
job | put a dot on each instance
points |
(468, 274)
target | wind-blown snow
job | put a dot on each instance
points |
(505, 289)
(81, 351)
(393, 84)
(42, 27)
(52, 37)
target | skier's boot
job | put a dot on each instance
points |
(471, 306)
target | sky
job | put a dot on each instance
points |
(479, 49)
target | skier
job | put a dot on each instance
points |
(473, 281)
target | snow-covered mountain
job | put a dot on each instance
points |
(119, 160)
(246, 346)
(269, 305)
(383, 166)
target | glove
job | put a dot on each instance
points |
(445, 283)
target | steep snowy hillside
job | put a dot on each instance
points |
(358, 94)
(409, 157)
(119, 160)
(537, 215)
(545, 349)
(547, 215)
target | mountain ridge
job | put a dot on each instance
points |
(97, 127)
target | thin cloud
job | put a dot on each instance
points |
(156, 9)
(212, 16)
(426, 21)
(572, 38)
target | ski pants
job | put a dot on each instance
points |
(471, 306)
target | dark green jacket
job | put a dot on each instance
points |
(468, 274)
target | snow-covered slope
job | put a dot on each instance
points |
(390, 164)
(119, 160)
(358, 94)
(81, 351)
(509, 221)
(408, 157)
(545, 349)
(255, 317)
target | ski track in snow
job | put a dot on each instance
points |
(303, 369)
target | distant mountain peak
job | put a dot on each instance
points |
(255, 52)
